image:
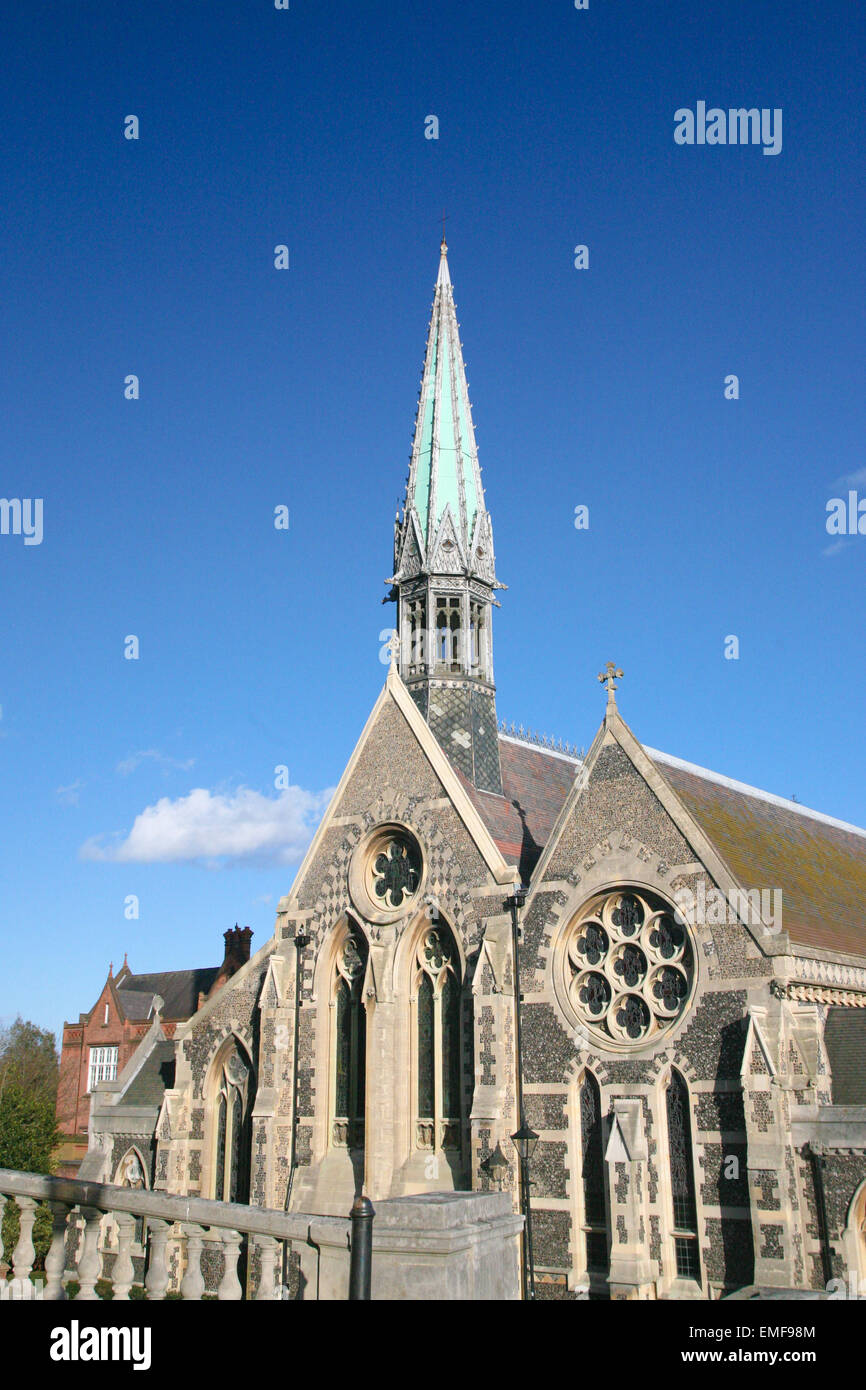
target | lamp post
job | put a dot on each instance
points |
(301, 941)
(525, 1139)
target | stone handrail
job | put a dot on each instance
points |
(429, 1246)
(190, 1223)
(139, 1202)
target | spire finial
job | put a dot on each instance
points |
(609, 676)
(444, 244)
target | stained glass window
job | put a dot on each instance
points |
(233, 1134)
(450, 1046)
(220, 1146)
(438, 1014)
(592, 1173)
(426, 1050)
(350, 1041)
(682, 1171)
(629, 967)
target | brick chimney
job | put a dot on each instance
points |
(237, 951)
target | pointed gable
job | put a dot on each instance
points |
(396, 764)
(763, 841)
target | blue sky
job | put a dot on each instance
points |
(260, 387)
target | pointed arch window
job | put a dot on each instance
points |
(233, 1107)
(682, 1175)
(438, 1010)
(595, 1222)
(350, 1040)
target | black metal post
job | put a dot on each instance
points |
(817, 1159)
(301, 940)
(361, 1264)
(528, 1268)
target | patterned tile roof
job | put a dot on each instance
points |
(768, 843)
(845, 1038)
(178, 988)
(535, 782)
(156, 1075)
(819, 863)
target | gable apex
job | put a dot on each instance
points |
(394, 693)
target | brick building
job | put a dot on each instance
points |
(98, 1046)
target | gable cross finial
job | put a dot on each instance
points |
(392, 647)
(609, 676)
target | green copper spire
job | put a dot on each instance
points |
(444, 571)
(444, 493)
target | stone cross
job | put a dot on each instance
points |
(392, 647)
(608, 676)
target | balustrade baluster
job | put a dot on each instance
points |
(192, 1284)
(268, 1249)
(156, 1282)
(89, 1258)
(124, 1271)
(230, 1285)
(22, 1260)
(55, 1260)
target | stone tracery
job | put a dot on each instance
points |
(630, 966)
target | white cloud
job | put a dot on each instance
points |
(834, 547)
(216, 828)
(128, 765)
(851, 479)
(68, 796)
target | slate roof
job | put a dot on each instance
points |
(135, 1006)
(767, 842)
(178, 988)
(535, 783)
(154, 1078)
(845, 1037)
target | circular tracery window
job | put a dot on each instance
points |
(386, 874)
(395, 872)
(630, 967)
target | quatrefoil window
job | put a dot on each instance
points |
(395, 876)
(629, 967)
(386, 877)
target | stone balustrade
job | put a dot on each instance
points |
(434, 1246)
(279, 1249)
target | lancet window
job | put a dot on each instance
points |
(437, 1036)
(595, 1220)
(682, 1175)
(350, 1040)
(232, 1108)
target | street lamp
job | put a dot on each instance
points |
(525, 1139)
(301, 942)
(524, 1142)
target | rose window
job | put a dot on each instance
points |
(630, 967)
(395, 873)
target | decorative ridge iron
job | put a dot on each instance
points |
(540, 740)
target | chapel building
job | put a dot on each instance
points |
(692, 964)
